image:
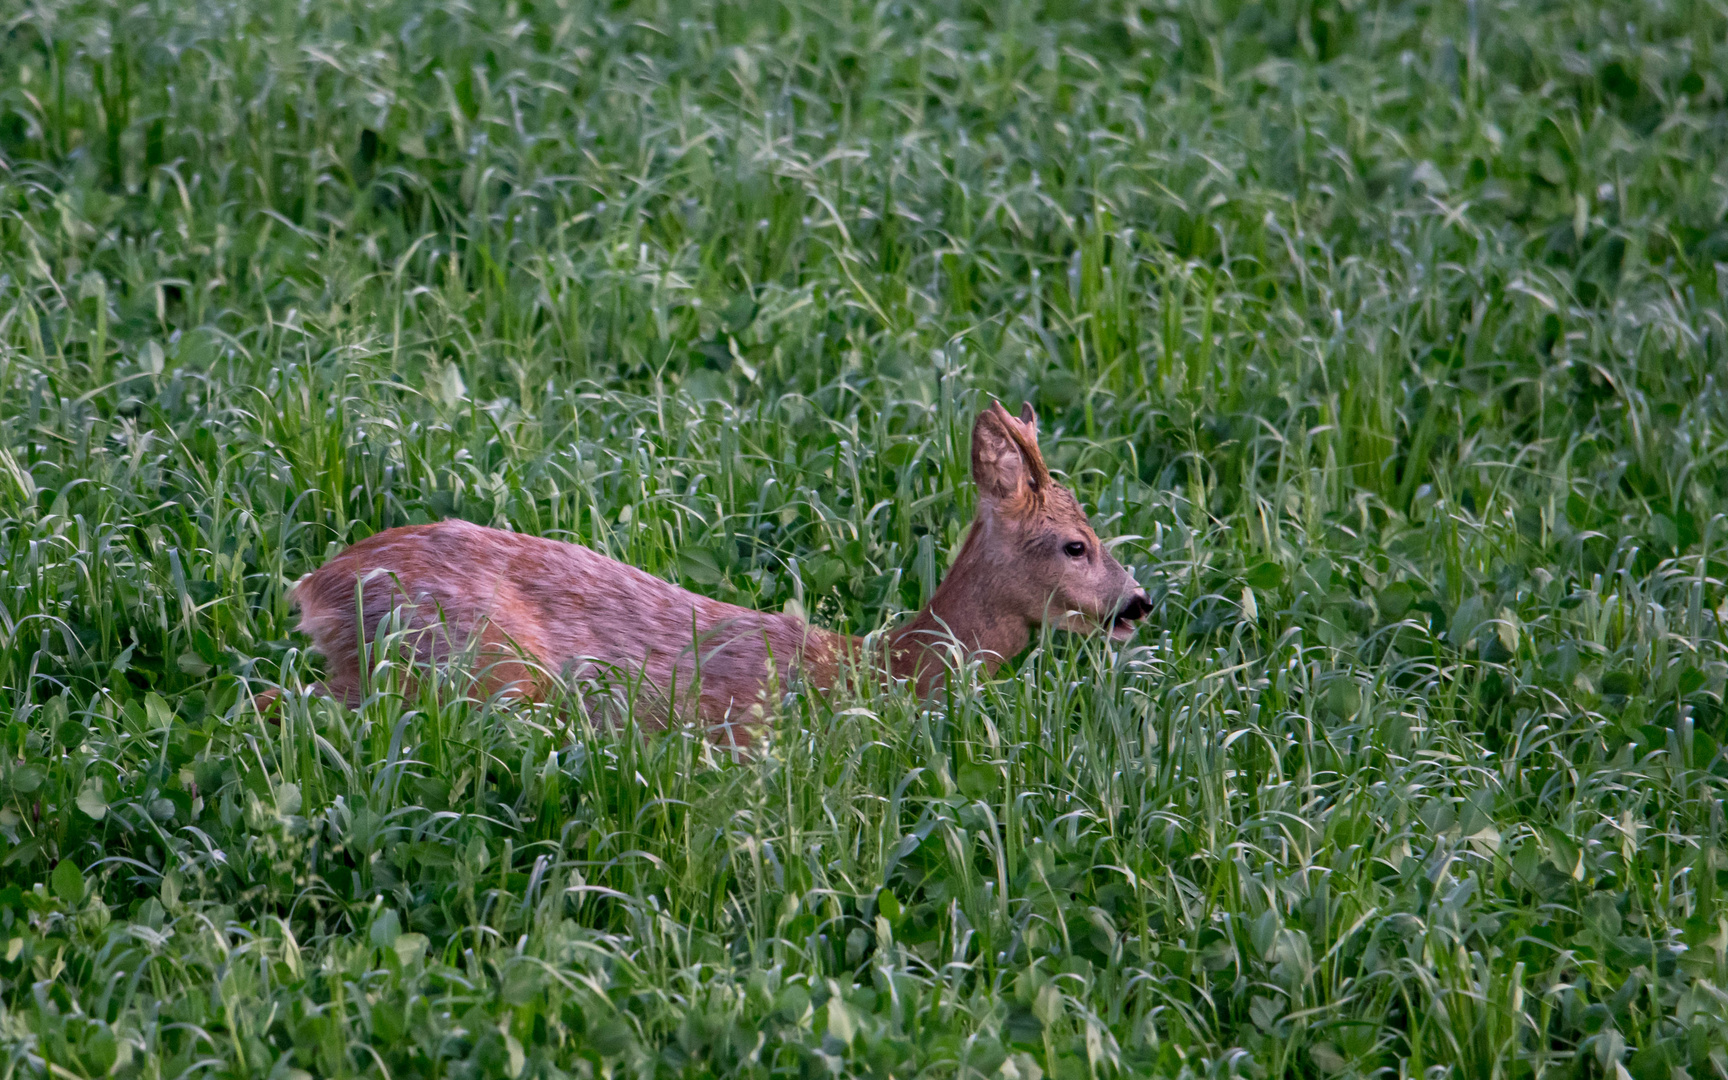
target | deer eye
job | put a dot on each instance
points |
(1074, 549)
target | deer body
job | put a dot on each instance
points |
(539, 612)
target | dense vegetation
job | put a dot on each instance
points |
(1388, 336)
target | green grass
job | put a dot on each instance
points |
(1389, 336)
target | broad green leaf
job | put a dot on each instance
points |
(700, 566)
(1264, 576)
(386, 929)
(68, 882)
(840, 1022)
(26, 779)
(410, 948)
(161, 717)
(91, 800)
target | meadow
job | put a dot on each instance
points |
(1388, 337)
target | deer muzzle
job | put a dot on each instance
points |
(1135, 608)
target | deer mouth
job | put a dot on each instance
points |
(1136, 608)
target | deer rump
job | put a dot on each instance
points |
(535, 616)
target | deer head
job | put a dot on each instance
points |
(1051, 566)
(1030, 559)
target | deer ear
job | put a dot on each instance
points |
(1028, 417)
(1005, 459)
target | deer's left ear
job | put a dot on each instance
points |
(1029, 418)
(1006, 464)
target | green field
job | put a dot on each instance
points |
(1388, 336)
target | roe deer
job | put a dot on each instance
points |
(538, 611)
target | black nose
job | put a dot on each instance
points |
(1137, 607)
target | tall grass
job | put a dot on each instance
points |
(1387, 336)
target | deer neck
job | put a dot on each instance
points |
(959, 612)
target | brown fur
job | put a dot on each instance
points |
(538, 613)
